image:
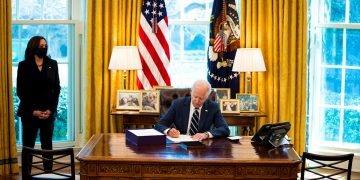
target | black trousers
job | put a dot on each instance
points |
(31, 126)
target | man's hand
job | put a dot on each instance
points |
(200, 136)
(174, 133)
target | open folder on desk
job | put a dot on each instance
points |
(181, 138)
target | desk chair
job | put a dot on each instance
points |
(168, 95)
(326, 162)
(62, 158)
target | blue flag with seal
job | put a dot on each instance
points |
(224, 40)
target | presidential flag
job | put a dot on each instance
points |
(153, 45)
(224, 40)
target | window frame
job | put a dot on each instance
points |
(315, 144)
(189, 22)
(76, 17)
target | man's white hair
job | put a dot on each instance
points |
(202, 83)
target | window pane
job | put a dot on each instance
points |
(184, 73)
(351, 126)
(56, 9)
(176, 32)
(59, 45)
(41, 10)
(27, 31)
(331, 124)
(189, 10)
(188, 53)
(13, 9)
(173, 9)
(334, 11)
(352, 47)
(29, 10)
(332, 46)
(16, 106)
(354, 11)
(330, 86)
(18, 44)
(334, 92)
(196, 10)
(352, 88)
(195, 37)
(58, 40)
(57, 36)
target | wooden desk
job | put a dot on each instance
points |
(106, 156)
(135, 120)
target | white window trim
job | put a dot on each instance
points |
(76, 69)
(315, 27)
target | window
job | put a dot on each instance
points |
(53, 20)
(189, 36)
(334, 75)
(189, 23)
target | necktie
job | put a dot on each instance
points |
(194, 126)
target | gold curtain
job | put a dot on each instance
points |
(108, 24)
(8, 153)
(279, 28)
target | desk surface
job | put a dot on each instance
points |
(108, 155)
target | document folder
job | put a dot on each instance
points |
(140, 137)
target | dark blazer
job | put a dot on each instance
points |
(37, 93)
(211, 118)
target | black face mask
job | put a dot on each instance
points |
(41, 52)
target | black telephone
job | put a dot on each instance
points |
(272, 134)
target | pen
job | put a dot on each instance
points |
(173, 132)
(173, 126)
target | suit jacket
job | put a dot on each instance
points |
(37, 91)
(211, 118)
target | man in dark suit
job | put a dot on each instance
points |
(211, 123)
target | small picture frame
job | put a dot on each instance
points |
(222, 93)
(229, 106)
(150, 101)
(128, 100)
(248, 102)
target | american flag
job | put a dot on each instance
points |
(153, 45)
(224, 40)
(219, 42)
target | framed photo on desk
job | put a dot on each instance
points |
(222, 93)
(128, 100)
(229, 106)
(248, 102)
(150, 101)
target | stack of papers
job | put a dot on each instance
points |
(181, 138)
(141, 137)
(234, 138)
(146, 132)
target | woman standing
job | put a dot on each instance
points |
(38, 88)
